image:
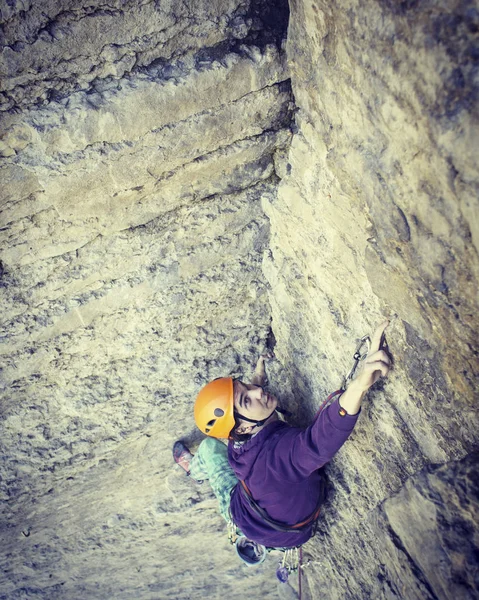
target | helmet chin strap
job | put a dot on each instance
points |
(256, 422)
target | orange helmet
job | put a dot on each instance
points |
(214, 408)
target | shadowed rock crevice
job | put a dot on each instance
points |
(41, 66)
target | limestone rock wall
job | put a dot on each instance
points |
(137, 142)
(377, 217)
(55, 47)
(160, 224)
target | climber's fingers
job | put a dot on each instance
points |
(378, 338)
(376, 365)
(379, 356)
(259, 375)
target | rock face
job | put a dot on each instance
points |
(137, 144)
(56, 47)
(376, 217)
(161, 225)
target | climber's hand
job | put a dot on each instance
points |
(378, 361)
(259, 376)
(376, 364)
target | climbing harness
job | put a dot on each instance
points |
(292, 557)
(277, 525)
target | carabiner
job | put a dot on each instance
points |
(358, 356)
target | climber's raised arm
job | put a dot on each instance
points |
(302, 452)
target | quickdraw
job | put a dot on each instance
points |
(232, 532)
(290, 563)
(358, 356)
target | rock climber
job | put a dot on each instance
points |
(268, 479)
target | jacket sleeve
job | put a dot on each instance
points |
(301, 452)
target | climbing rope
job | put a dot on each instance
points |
(300, 572)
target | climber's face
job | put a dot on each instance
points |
(252, 401)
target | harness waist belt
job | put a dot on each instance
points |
(277, 525)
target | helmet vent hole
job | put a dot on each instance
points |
(219, 412)
(211, 423)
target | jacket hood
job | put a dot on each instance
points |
(243, 455)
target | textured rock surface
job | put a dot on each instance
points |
(55, 47)
(137, 144)
(377, 215)
(146, 246)
(419, 543)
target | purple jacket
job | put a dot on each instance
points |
(280, 467)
